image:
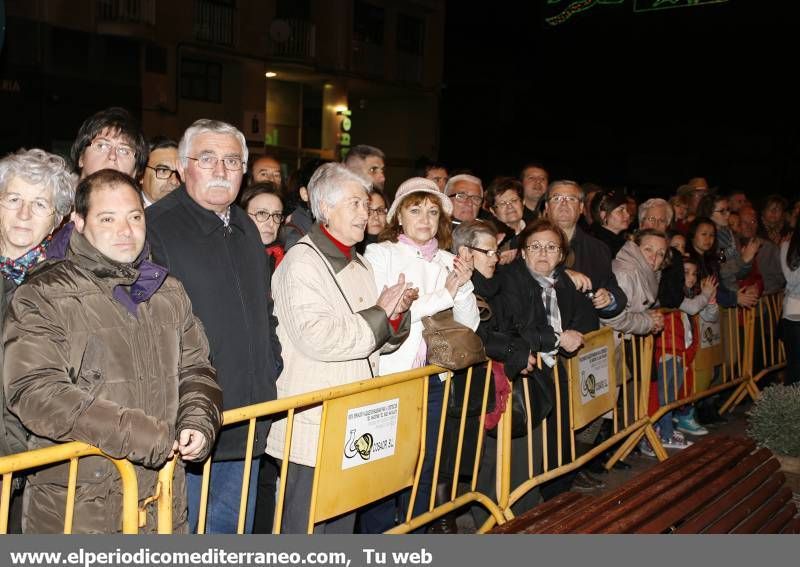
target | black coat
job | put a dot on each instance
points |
(226, 274)
(613, 241)
(522, 312)
(593, 259)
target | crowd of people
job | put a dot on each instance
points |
(148, 287)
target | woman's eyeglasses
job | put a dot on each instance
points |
(264, 216)
(489, 253)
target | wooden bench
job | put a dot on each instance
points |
(718, 485)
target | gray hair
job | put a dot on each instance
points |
(565, 183)
(206, 125)
(466, 233)
(39, 167)
(463, 177)
(651, 203)
(362, 152)
(326, 185)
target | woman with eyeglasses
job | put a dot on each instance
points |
(540, 303)
(36, 192)
(264, 205)
(376, 221)
(734, 264)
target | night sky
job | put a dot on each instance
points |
(642, 101)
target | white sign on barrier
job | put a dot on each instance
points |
(594, 374)
(371, 433)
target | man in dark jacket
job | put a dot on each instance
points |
(103, 348)
(215, 250)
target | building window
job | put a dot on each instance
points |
(367, 23)
(201, 80)
(410, 34)
(155, 59)
(213, 21)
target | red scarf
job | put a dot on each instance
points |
(343, 248)
(276, 251)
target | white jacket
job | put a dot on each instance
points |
(389, 260)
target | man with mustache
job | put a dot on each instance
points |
(212, 246)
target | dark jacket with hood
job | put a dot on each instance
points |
(111, 355)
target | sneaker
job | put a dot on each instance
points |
(677, 441)
(687, 424)
(646, 449)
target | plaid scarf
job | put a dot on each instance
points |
(17, 270)
(553, 314)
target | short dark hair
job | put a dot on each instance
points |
(104, 177)
(263, 188)
(426, 168)
(162, 142)
(362, 152)
(536, 164)
(118, 120)
(300, 178)
(705, 208)
(606, 202)
(500, 185)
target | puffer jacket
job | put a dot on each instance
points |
(640, 284)
(80, 366)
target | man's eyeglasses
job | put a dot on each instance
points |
(489, 253)
(549, 247)
(121, 151)
(378, 212)
(264, 216)
(208, 161)
(39, 207)
(461, 197)
(375, 169)
(656, 221)
(273, 174)
(165, 172)
(724, 211)
(569, 199)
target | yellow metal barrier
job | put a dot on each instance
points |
(70, 452)
(592, 392)
(764, 348)
(336, 489)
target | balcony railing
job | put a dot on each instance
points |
(293, 39)
(213, 22)
(127, 11)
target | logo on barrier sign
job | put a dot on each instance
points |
(588, 386)
(361, 446)
(593, 371)
(370, 433)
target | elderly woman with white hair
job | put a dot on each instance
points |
(333, 325)
(37, 190)
(416, 244)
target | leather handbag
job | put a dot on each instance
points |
(451, 344)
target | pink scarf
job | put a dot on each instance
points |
(428, 251)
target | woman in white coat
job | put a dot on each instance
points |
(415, 244)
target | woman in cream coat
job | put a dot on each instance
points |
(332, 326)
(415, 244)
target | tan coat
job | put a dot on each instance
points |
(324, 344)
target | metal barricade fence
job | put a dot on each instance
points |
(338, 488)
(592, 391)
(766, 352)
(71, 452)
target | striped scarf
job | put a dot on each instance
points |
(553, 314)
